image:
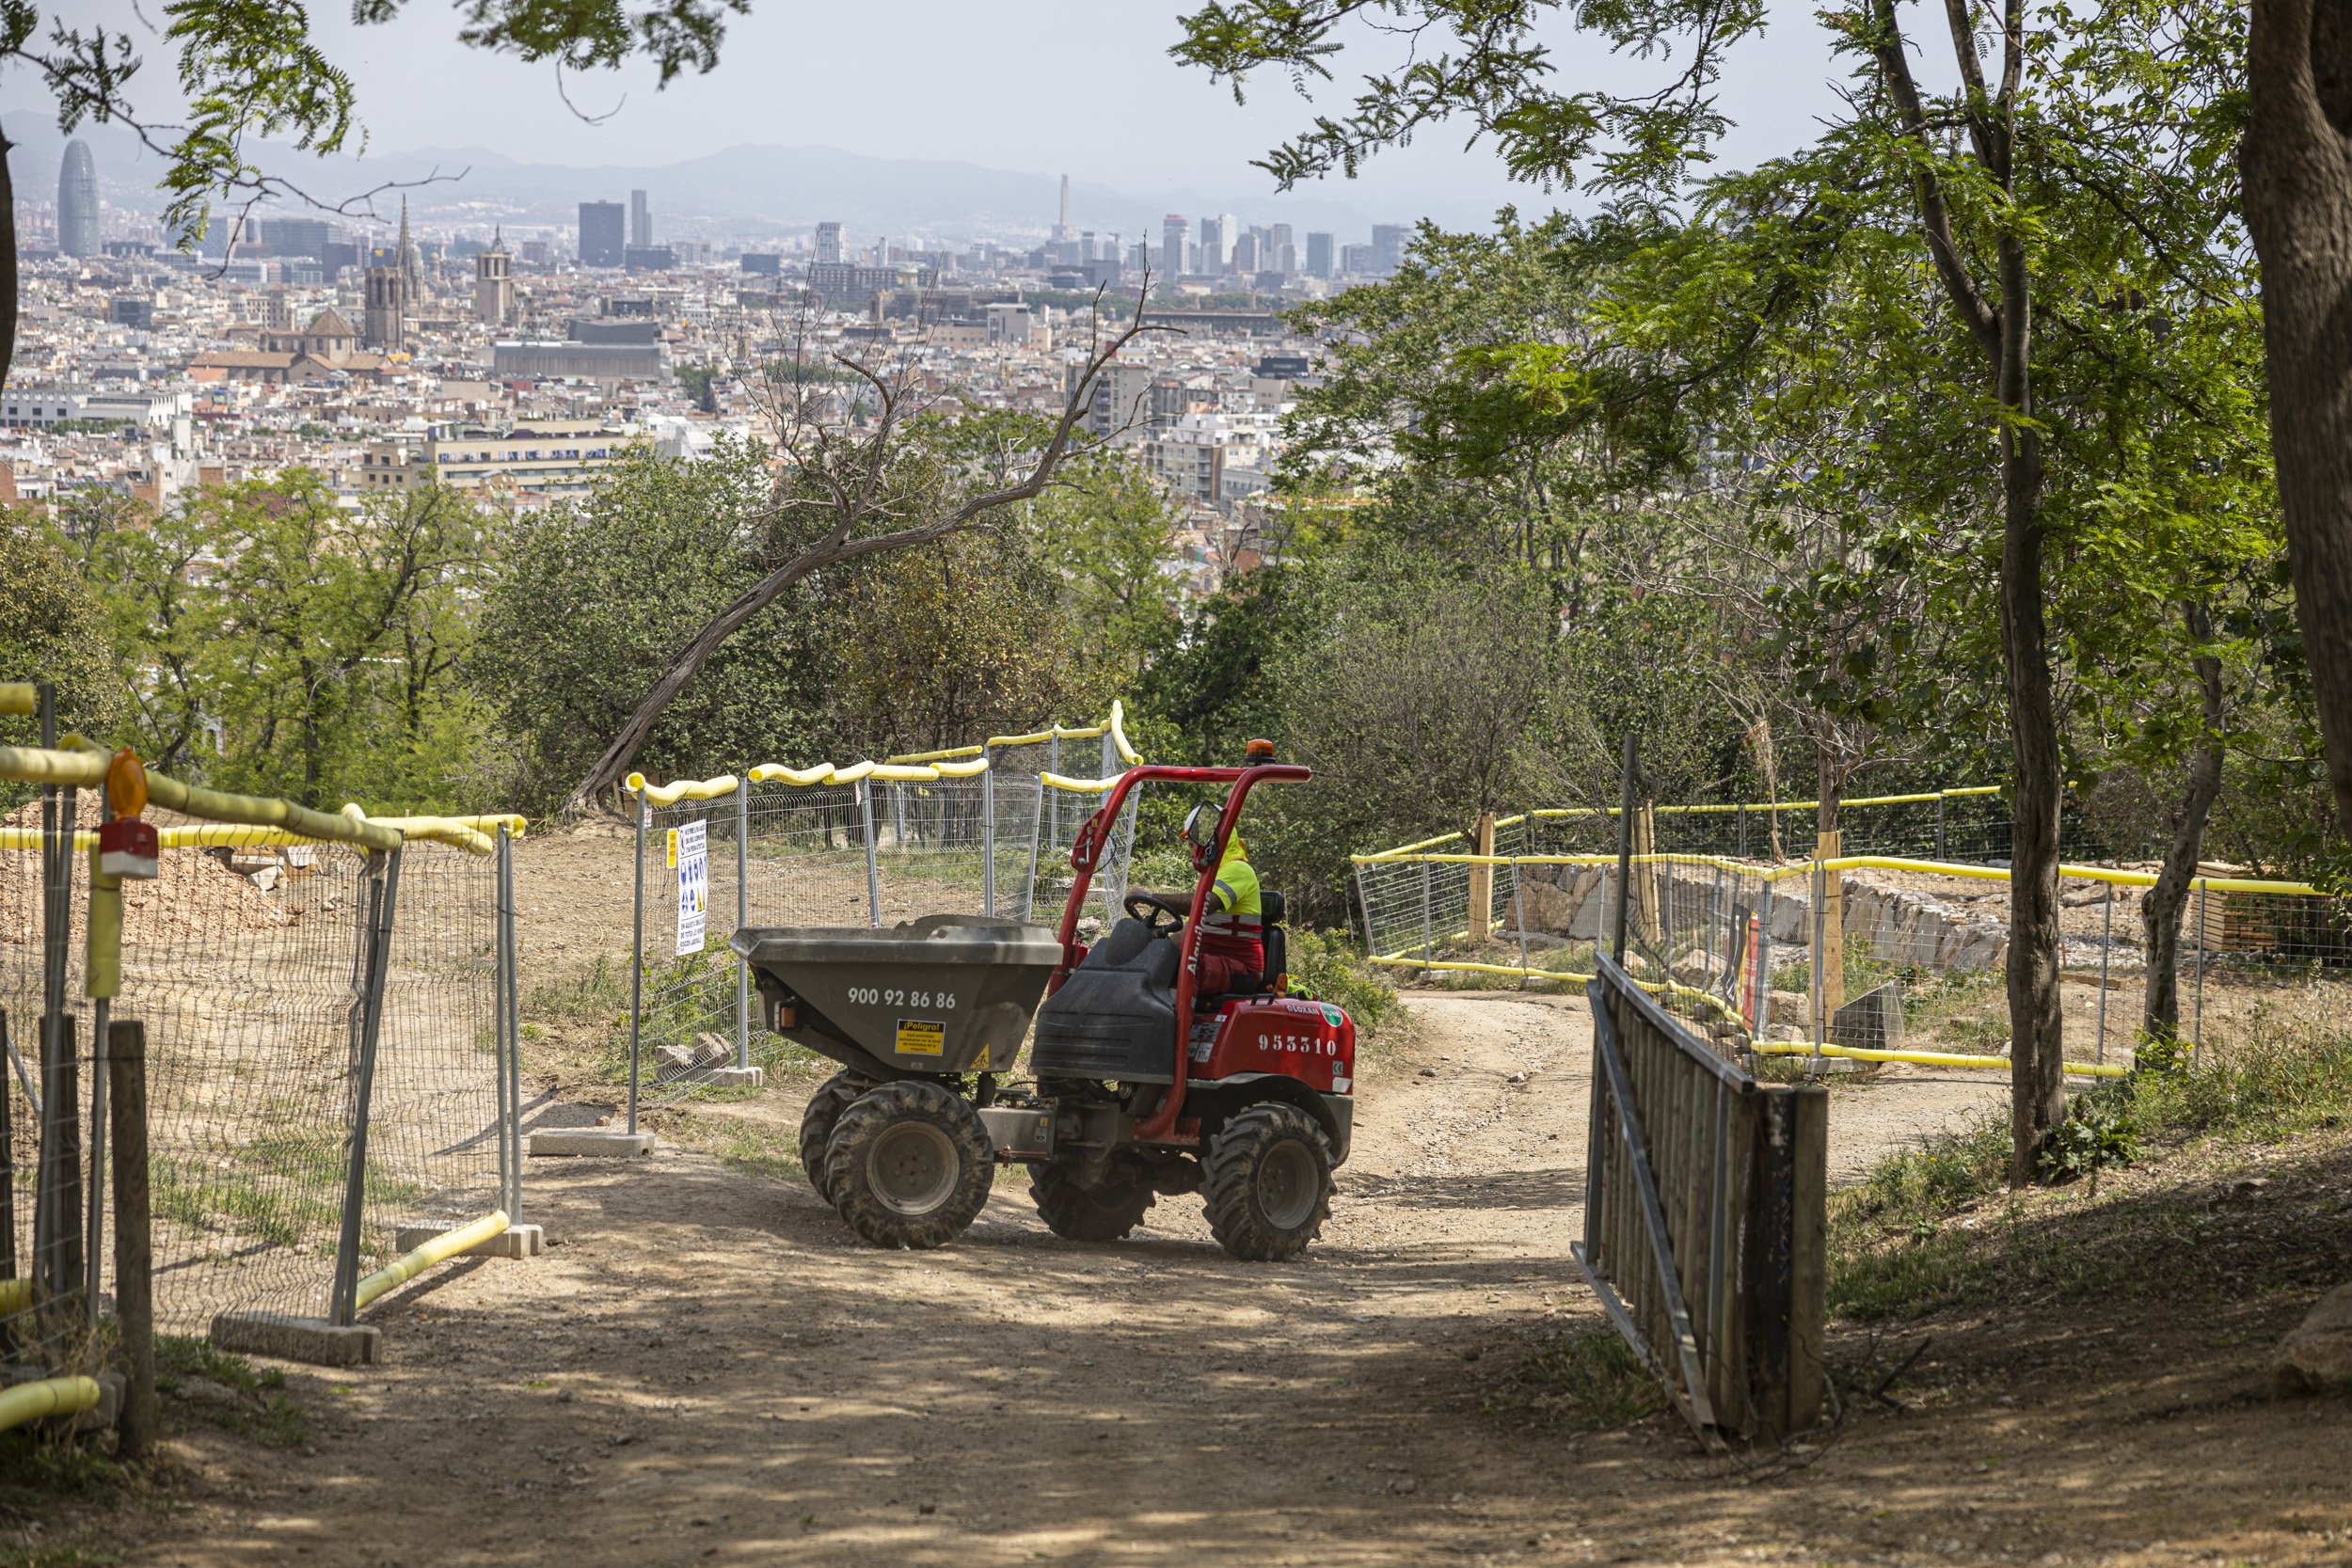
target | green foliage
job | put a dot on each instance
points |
(1595, 1380)
(1327, 965)
(226, 1391)
(271, 643)
(1930, 1228)
(2100, 1130)
(596, 595)
(53, 628)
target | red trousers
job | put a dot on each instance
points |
(1222, 974)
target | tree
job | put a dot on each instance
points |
(658, 547)
(1108, 528)
(52, 628)
(2297, 165)
(2125, 113)
(273, 644)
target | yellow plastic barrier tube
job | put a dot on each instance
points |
(776, 772)
(440, 1249)
(20, 697)
(38, 766)
(1925, 1058)
(1079, 786)
(684, 790)
(51, 1396)
(1127, 753)
(440, 830)
(951, 754)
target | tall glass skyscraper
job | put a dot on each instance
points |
(78, 201)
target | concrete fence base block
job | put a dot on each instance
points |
(287, 1337)
(515, 1241)
(733, 1077)
(591, 1143)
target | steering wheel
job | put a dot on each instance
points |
(1151, 910)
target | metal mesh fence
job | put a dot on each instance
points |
(1062, 813)
(247, 965)
(434, 1153)
(43, 1323)
(1967, 825)
(689, 1018)
(1870, 958)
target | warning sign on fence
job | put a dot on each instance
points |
(693, 861)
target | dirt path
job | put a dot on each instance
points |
(708, 1370)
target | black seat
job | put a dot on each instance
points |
(1277, 947)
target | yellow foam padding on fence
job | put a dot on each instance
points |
(1127, 753)
(15, 1296)
(20, 697)
(972, 770)
(37, 765)
(51, 1396)
(684, 790)
(891, 772)
(1923, 1058)
(440, 1249)
(102, 948)
(776, 772)
(1079, 786)
(438, 830)
(951, 754)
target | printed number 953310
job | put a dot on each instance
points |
(871, 996)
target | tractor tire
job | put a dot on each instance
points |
(909, 1165)
(1080, 1213)
(833, 1097)
(1269, 1183)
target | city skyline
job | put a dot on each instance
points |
(990, 85)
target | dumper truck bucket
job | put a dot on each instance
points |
(947, 994)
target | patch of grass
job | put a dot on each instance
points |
(1936, 1227)
(225, 1390)
(39, 1468)
(56, 1557)
(1593, 1381)
(598, 991)
(755, 1147)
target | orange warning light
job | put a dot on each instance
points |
(126, 783)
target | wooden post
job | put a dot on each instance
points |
(1482, 884)
(1833, 927)
(135, 1298)
(1808, 1258)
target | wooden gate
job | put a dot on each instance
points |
(1704, 1219)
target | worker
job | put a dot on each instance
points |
(1233, 932)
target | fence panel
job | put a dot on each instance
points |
(436, 1156)
(1705, 1218)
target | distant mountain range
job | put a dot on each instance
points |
(743, 190)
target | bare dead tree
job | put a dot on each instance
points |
(835, 500)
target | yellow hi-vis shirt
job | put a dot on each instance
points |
(1236, 928)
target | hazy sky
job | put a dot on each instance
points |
(1082, 87)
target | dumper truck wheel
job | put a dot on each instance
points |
(1098, 1213)
(833, 1097)
(909, 1165)
(1269, 1183)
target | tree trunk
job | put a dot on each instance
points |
(2297, 163)
(7, 261)
(2037, 1042)
(2160, 912)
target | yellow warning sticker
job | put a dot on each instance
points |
(672, 846)
(921, 1037)
(979, 1063)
